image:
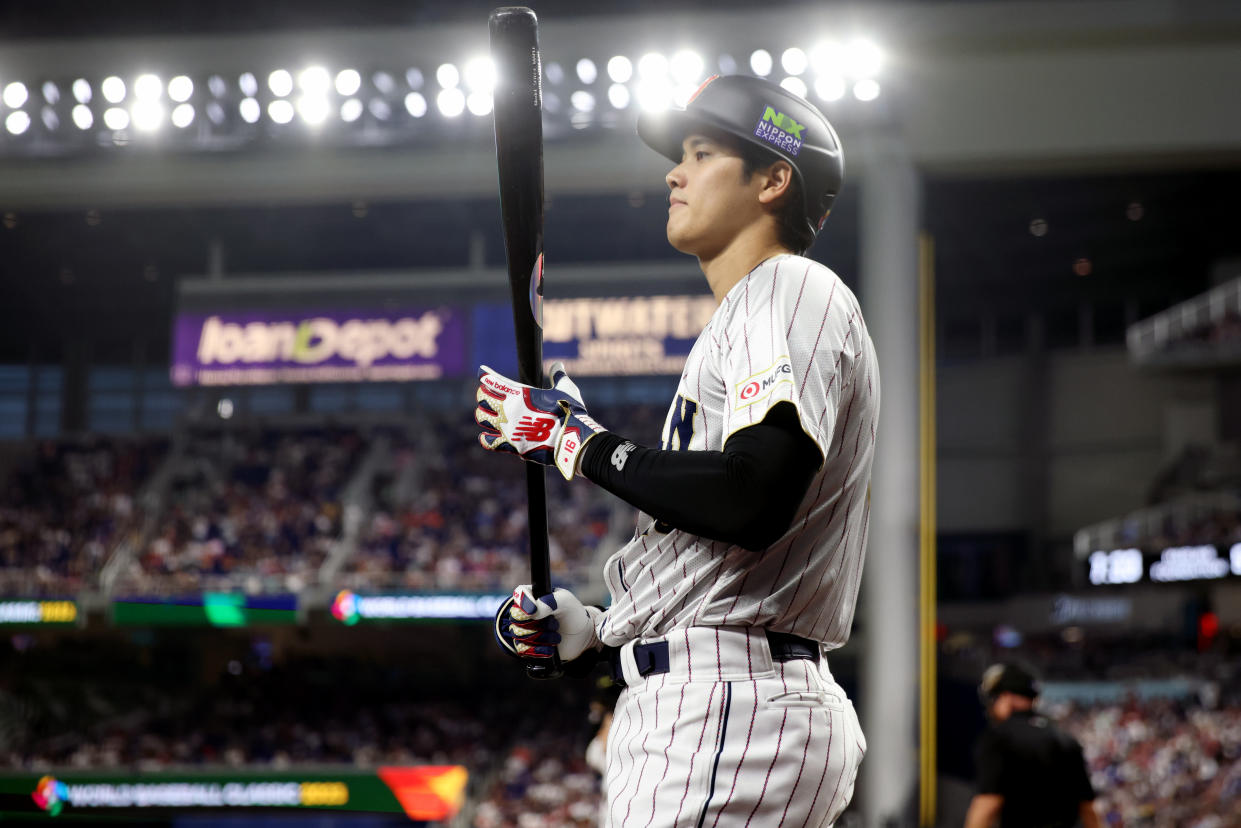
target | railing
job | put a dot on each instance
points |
(1130, 529)
(1149, 338)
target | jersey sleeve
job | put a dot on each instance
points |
(1078, 774)
(990, 760)
(790, 337)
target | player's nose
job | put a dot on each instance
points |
(675, 177)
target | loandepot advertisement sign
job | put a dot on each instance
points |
(263, 347)
(424, 793)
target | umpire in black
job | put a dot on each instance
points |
(1030, 775)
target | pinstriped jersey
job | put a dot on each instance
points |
(789, 331)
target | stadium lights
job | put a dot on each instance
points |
(587, 72)
(148, 87)
(451, 102)
(348, 82)
(794, 61)
(415, 104)
(115, 118)
(351, 110)
(686, 67)
(314, 80)
(113, 89)
(843, 71)
(280, 82)
(618, 96)
(652, 66)
(480, 75)
(760, 62)
(183, 116)
(867, 89)
(380, 109)
(313, 108)
(795, 85)
(620, 69)
(180, 88)
(448, 76)
(147, 115)
(17, 122)
(280, 110)
(479, 103)
(582, 101)
(249, 110)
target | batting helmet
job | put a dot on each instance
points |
(1007, 678)
(766, 116)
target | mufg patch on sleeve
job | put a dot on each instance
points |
(779, 130)
(758, 387)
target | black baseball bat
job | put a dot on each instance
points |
(518, 108)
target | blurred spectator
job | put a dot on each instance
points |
(65, 508)
(252, 510)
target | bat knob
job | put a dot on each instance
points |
(544, 672)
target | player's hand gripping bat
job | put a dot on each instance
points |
(518, 111)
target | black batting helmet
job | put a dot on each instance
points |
(1006, 677)
(764, 115)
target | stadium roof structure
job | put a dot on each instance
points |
(372, 113)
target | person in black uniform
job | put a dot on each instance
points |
(1030, 774)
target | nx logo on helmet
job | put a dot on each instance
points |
(779, 130)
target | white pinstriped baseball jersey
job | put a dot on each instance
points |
(789, 331)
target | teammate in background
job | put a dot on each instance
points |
(1029, 773)
(744, 569)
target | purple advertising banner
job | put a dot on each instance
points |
(264, 347)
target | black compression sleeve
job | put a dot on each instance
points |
(746, 494)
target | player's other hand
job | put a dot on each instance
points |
(543, 425)
(529, 627)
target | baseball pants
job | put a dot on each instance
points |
(727, 736)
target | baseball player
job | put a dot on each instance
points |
(744, 569)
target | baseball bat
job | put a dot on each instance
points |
(518, 108)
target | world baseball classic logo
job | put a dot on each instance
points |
(50, 795)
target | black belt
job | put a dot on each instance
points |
(652, 659)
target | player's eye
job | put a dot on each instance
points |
(700, 154)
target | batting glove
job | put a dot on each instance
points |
(527, 627)
(543, 425)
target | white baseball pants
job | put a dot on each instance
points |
(727, 737)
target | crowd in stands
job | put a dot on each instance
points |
(464, 525)
(79, 705)
(260, 509)
(1162, 763)
(64, 506)
(254, 510)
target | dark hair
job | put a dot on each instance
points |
(795, 232)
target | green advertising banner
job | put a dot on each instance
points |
(424, 793)
(211, 609)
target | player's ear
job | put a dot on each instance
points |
(776, 180)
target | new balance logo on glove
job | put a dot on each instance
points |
(544, 425)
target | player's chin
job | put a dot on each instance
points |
(679, 236)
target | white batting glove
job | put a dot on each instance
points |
(543, 425)
(527, 627)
